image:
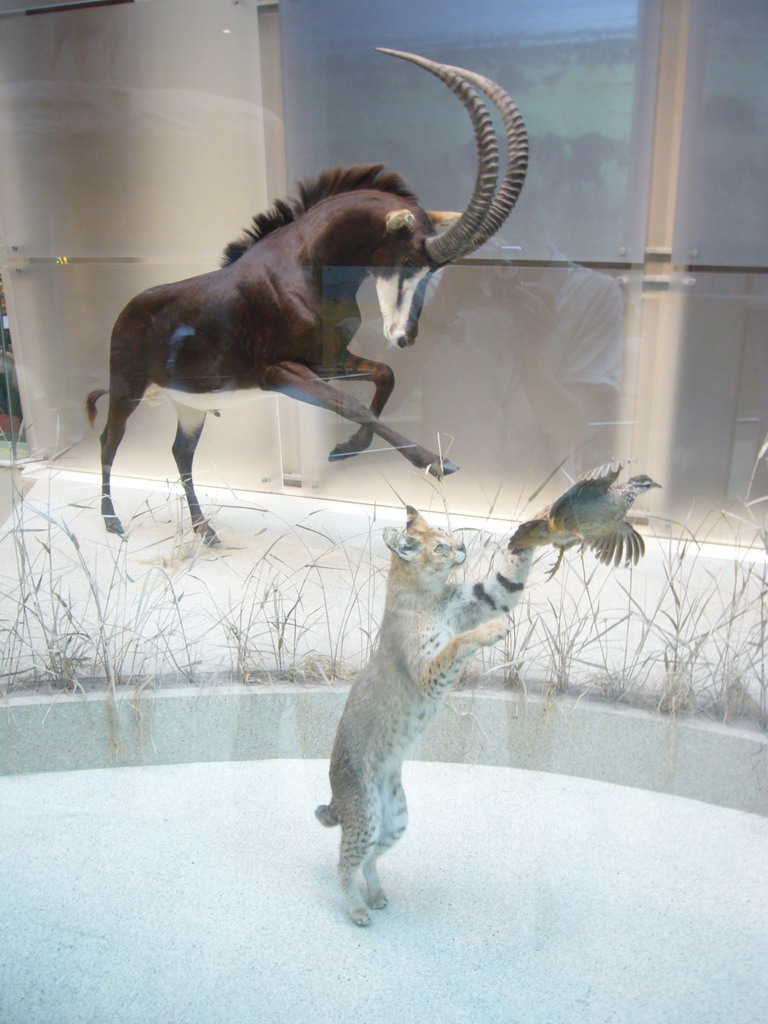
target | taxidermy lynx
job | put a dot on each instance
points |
(429, 632)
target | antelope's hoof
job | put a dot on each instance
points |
(113, 525)
(344, 450)
(207, 534)
(444, 468)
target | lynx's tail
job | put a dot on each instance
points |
(326, 815)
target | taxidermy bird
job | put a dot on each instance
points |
(591, 513)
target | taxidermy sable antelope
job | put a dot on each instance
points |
(281, 311)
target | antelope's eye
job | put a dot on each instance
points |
(443, 549)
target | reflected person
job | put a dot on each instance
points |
(520, 364)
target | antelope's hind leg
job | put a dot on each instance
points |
(190, 427)
(120, 408)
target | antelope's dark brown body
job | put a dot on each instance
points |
(280, 313)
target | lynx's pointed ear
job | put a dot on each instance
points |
(443, 219)
(401, 544)
(414, 520)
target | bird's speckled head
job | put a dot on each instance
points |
(642, 483)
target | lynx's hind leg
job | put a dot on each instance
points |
(394, 813)
(376, 897)
(394, 818)
(360, 828)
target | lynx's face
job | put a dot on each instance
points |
(424, 552)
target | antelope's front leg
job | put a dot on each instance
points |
(383, 379)
(301, 383)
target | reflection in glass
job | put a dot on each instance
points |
(722, 216)
(114, 120)
(11, 427)
(720, 424)
(582, 76)
(515, 371)
(517, 362)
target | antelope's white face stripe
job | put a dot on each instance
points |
(400, 299)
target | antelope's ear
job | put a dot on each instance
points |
(401, 544)
(443, 219)
(400, 220)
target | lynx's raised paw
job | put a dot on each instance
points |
(489, 633)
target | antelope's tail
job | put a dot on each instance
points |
(90, 404)
(326, 815)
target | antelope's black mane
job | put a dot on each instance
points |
(332, 181)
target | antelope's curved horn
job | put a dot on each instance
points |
(517, 156)
(461, 239)
(458, 239)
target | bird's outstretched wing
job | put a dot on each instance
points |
(610, 471)
(623, 546)
(594, 483)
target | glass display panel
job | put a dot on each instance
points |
(516, 371)
(133, 151)
(67, 312)
(581, 75)
(722, 216)
(116, 119)
(718, 425)
(605, 714)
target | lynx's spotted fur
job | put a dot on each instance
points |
(429, 632)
